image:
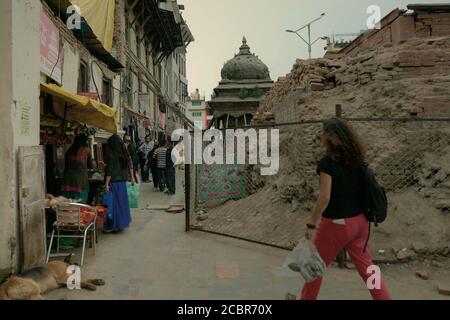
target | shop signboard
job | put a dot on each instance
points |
(144, 101)
(51, 56)
(147, 123)
(90, 95)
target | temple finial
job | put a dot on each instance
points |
(244, 49)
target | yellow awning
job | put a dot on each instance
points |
(99, 14)
(73, 107)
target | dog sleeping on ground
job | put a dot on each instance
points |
(31, 284)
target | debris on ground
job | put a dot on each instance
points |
(444, 289)
(175, 209)
(422, 275)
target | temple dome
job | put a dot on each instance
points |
(245, 66)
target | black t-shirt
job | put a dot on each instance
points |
(134, 155)
(152, 160)
(169, 162)
(347, 196)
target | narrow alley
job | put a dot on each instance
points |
(224, 150)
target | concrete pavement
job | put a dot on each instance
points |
(156, 259)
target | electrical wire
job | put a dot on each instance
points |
(93, 78)
(59, 44)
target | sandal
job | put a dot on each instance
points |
(290, 296)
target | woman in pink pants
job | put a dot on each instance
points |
(340, 206)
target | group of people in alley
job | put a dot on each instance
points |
(126, 161)
(337, 222)
(153, 157)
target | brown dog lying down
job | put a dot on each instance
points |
(31, 284)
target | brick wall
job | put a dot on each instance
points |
(397, 28)
(432, 24)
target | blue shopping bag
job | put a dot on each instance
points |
(107, 201)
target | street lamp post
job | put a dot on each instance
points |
(308, 43)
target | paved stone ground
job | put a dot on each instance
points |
(156, 259)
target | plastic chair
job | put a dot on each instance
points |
(69, 219)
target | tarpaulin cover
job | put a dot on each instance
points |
(82, 109)
(99, 14)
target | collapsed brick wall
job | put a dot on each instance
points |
(411, 79)
(391, 81)
(410, 160)
(398, 27)
(408, 80)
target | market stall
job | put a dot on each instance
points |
(63, 116)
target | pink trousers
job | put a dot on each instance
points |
(331, 238)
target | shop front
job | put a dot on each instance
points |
(138, 126)
(63, 116)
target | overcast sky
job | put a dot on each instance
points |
(219, 25)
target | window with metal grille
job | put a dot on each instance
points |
(107, 92)
(83, 77)
(129, 88)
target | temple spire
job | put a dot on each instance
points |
(244, 49)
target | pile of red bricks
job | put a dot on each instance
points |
(408, 79)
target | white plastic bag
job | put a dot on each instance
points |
(306, 260)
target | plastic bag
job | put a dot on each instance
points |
(107, 201)
(133, 194)
(306, 260)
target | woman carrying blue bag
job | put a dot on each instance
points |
(118, 170)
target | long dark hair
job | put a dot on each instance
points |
(80, 141)
(118, 149)
(344, 144)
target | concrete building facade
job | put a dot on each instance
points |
(128, 77)
(197, 110)
(19, 102)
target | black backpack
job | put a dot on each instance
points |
(375, 198)
(375, 202)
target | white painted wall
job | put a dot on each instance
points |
(19, 97)
(96, 75)
(26, 68)
(7, 196)
(132, 32)
(117, 84)
(71, 64)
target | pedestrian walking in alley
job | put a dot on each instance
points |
(161, 158)
(75, 184)
(118, 171)
(170, 169)
(144, 150)
(132, 151)
(152, 164)
(340, 206)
